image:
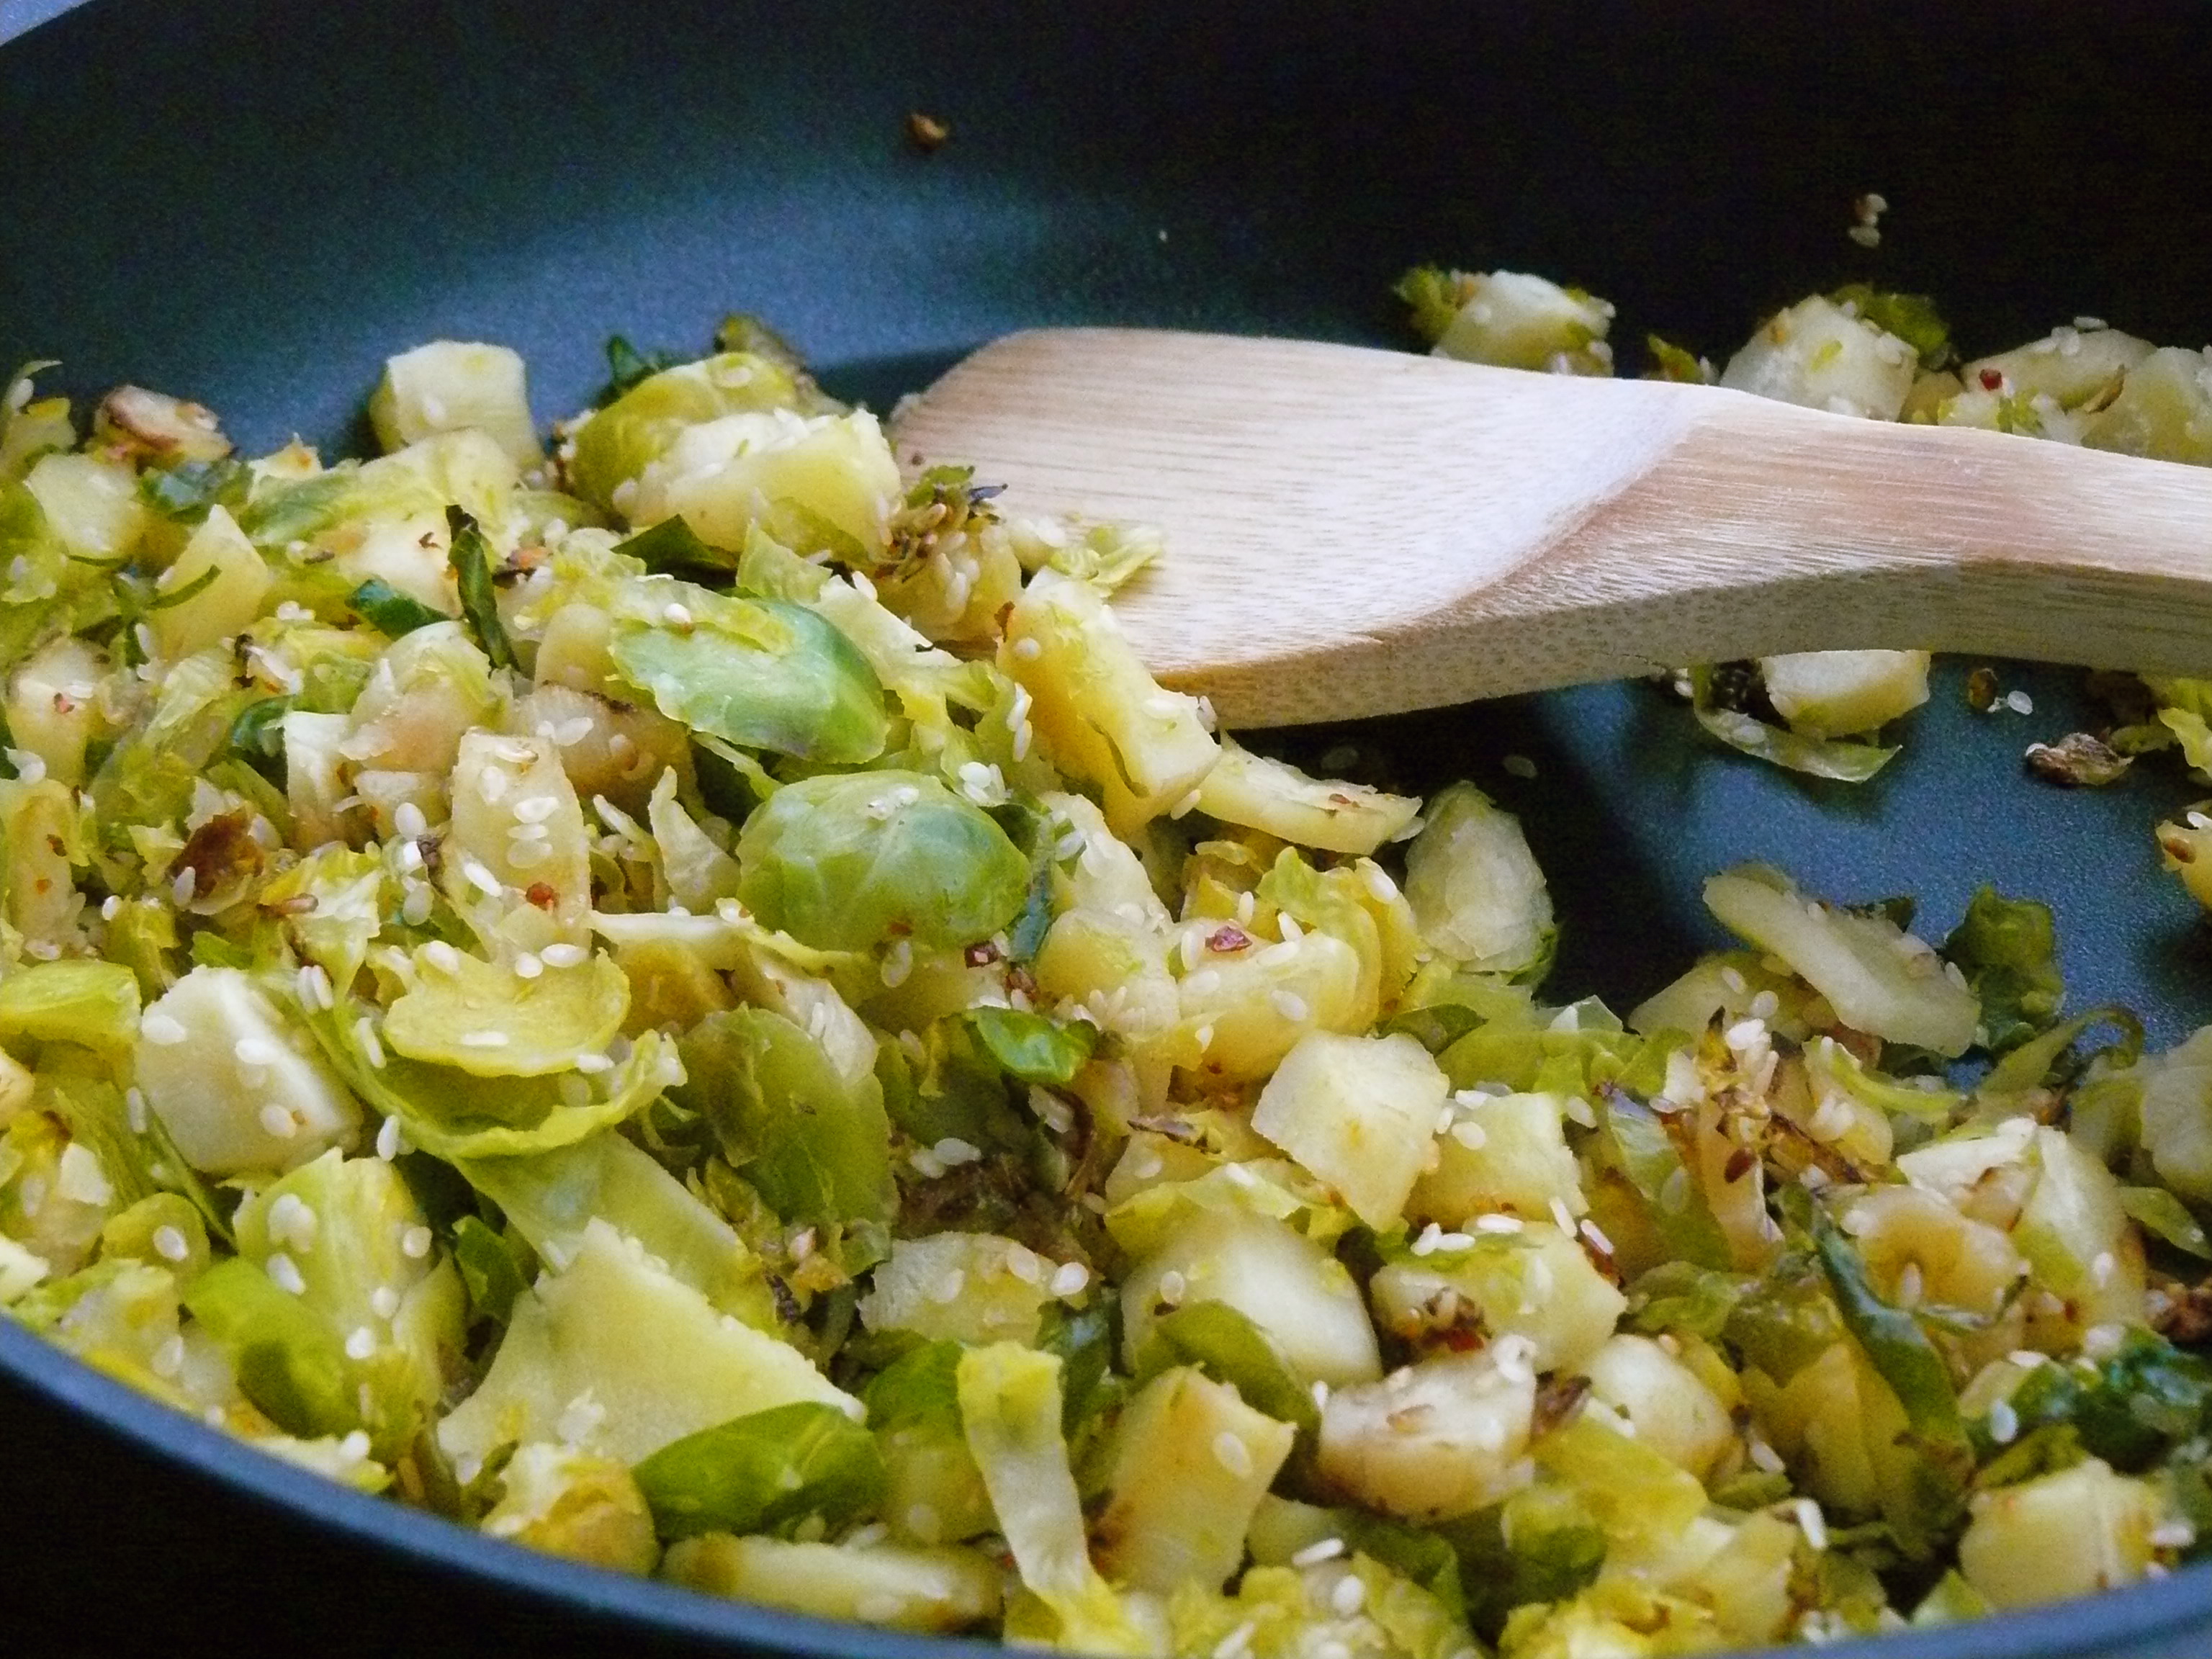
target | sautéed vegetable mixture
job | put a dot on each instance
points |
(686, 1001)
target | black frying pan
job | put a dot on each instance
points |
(252, 203)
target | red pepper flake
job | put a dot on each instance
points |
(1223, 940)
(542, 894)
(1992, 379)
(1738, 1164)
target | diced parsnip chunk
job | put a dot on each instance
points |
(1506, 1152)
(53, 708)
(2082, 1529)
(1820, 355)
(937, 1591)
(1243, 1013)
(1190, 1462)
(1880, 979)
(1675, 1412)
(2076, 1234)
(1516, 320)
(1102, 717)
(92, 502)
(230, 601)
(1477, 893)
(1435, 1440)
(1831, 694)
(236, 1085)
(617, 1355)
(1273, 795)
(450, 385)
(2164, 410)
(1747, 1580)
(967, 1287)
(1359, 1112)
(2068, 366)
(827, 482)
(1282, 1281)
(1537, 1283)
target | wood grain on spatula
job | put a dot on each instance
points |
(1352, 531)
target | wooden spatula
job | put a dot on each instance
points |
(1351, 531)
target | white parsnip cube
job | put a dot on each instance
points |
(1359, 1112)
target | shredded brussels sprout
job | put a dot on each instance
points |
(685, 1000)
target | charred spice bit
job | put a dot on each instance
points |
(926, 132)
(1558, 1398)
(980, 955)
(2078, 761)
(542, 895)
(1223, 940)
(1982, 690)
(1992, 379)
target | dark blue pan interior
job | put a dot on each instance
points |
(253, 203)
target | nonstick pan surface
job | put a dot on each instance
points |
(252, 203)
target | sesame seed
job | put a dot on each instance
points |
(590, 1064)
(1349, 1595)
(360, 1344)
(1320, 1392)
(163, 1030)
(1028, 650)
(1591, 1231)
(952, 1152)
(2173, 1535)
(1580, 1111)
(134, 1109)
(1763, 1456)
(1237, 1644)
(285, 1273)
(1745, 1034)
(365, 1034)
(1291, 1006)
(110, 907)
(1562, 1217)
(1173, 1288)
(1070, 1279)
(2004, 1423)
(1470, 1135)
(1811, 1523)
(483, 879)
(562, 955)
(255, 1051)
(414, 1243)
(1733, 979)
(2101, 1270)
(278, 1121)
(387, 1139)
(1232, 1454)
(169, 1358)
(169, 1244)
(1519, 766)
(486, 1039)
(1314, 1554)
(1496, 1224)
